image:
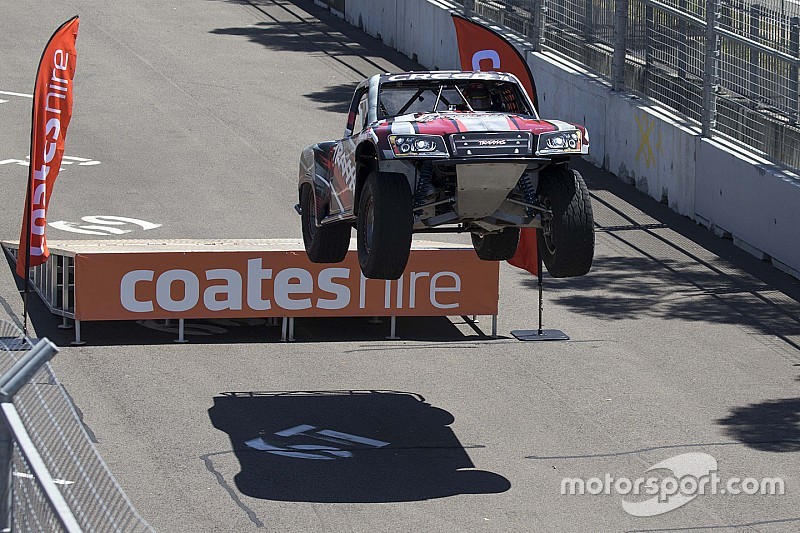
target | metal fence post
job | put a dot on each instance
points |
(683, 44)
(755, 55)
(539, 10)
(649, 29)
(588, 20)
(794, 48)
(620, 45)
(469, 5)
(711, 67)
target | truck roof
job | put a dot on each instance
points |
(446, 75)
(422, 75)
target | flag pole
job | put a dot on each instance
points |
(27, 262)
(28, 211)
(540, 334)
(539, 269)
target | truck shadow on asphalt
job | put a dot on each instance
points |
(344, 446)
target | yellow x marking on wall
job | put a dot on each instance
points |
(646, 126)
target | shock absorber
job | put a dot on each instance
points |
(528, 192)
(424, 187)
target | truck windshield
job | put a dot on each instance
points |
(407, 97)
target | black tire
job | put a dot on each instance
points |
(325, 244)
(496, 246)
(566, 241)
(385, 222)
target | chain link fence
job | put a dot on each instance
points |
(89, 489)
(729, 65)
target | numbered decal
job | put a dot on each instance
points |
(103, 225)
(300, 442)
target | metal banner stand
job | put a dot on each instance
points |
(540, 334)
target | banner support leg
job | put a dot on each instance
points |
(284, 329)
(494, 326)
(393, 329)
(291, 329)
(181, 330)
(64, 292)
(77, 341)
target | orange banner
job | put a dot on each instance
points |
(480, 48)
(134, 286)
(527, 255)
(52, 111)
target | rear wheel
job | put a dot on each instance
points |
(385, 221)
(566, 241)
(324, 244)
(496, 246)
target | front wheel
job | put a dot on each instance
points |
(566, 240)
(385, 223)
(496, 246)
(324, 244)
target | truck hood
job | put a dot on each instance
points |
(457, 122)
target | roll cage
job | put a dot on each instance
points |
(433, 96)
(371, 101)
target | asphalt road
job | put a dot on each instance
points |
(196, 112)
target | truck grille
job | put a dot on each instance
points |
(484, 144)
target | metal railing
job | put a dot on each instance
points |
(731, 66)
(51, 476)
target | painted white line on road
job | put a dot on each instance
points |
(86, 230)
(16, 94)
(3, 101)
(66, 160)
(113, 220)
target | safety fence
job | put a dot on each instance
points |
(52, 477)
(729, 65)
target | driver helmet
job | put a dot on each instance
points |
(478, 96)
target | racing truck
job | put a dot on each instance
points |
(446, 151)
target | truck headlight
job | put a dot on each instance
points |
(418, 145)
(560, 142)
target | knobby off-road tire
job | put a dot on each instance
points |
(496, 246)
(385, 221)
(566, 242)
(324, 244)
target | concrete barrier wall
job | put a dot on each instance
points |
(421, 29)
(735, 193)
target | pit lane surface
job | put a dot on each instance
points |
(196, 112)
